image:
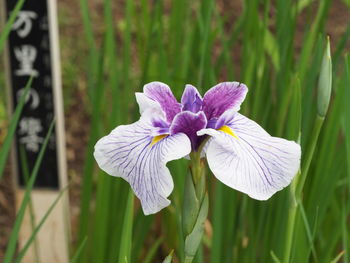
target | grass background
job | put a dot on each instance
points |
(110, 49)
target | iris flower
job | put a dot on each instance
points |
(239, 152)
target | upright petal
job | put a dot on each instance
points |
(245, 157)
(189, 123)
(222, 97)
(130, 152)
(161, 93)
(146, 103)
(191, 99)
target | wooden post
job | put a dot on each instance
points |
(33, 50)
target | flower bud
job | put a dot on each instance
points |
(325, 82)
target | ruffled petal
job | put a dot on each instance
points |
(191, 99)
(222, 97)
(130, 152)
(245, 157)
(162, 94)
(189, 123)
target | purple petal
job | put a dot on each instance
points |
(222, 97)
(189, 123)
(131, 152)
(191, 99)
(161, 93)
(245, 157)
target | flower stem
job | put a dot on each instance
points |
(296, 189)
(195, 207)
(309, 155)
(292, 211)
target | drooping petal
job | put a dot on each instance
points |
(191, 99)
(161, 93)
(189, 123)
(131, 153)
(245, 157)
(222, 97)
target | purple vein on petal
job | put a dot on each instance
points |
(223, 97)
(161, 93)
(191, 99)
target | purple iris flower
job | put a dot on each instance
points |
(239, 152)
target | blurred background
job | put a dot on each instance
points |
(109, 49)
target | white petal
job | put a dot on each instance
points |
(255, 163)
(127, 152)
(146, 103)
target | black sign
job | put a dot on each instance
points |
(30, 55)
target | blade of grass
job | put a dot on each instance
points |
(75, 258)
(11, 247)
(87, 184)
(26, 176)
(125, 245)
(346, 127)
(218, 212)
(208, 10)
(12, 128)
(142, 225)
(153, 250)
(22, 253)
(308, 230)
(7, 28)
(338, 257)
(274, 257)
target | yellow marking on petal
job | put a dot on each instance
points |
(157, 139)
(228, 130)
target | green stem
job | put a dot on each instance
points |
(293, 209)
(297, 186)
(309, 154)
(195, 207)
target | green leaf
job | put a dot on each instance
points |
(274, 257)
(271, 48)
(12, 128)
(153, 250)
(193, 240)
(75, 258)
(338, 257)
(190, 206)
(38, 227)
(7, 29)
(125, 245)
(11, 247)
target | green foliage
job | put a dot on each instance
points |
(5, 148)
(11, 248)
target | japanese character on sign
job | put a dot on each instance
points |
(26, 56)
(32, 94)
(30, 128)
(23, 23)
